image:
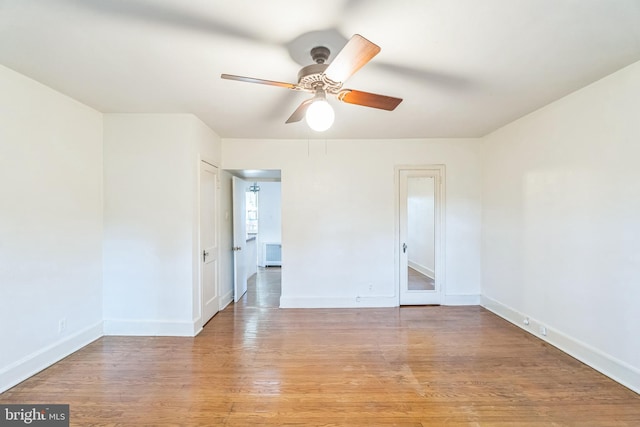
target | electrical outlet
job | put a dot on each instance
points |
(370, 287)
(543, 331)
(62, 325)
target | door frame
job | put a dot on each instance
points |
(438, 172)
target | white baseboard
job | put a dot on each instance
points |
(197, 326)
(422, 269)
(472, 299)
(366, 302)
(615, 369)
(30, 365)
(334, 302)
(226, 299)
(151, 328)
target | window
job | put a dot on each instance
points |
(252, 208)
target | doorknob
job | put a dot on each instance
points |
(404, 248)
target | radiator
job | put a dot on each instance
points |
(272, 254)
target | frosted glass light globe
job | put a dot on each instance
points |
(320, 115)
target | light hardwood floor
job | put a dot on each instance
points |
(413, 366)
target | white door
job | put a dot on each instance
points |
(209, 241)
(420, 236)
(239, 238)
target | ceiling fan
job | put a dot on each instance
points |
(322, 79)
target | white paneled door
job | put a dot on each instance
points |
(420, 239)
(209, 241)
(239, 238)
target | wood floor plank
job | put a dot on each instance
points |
(414, 366)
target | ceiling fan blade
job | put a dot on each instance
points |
(356, 53)
(367, 99)
(300, 111)
(259, 81)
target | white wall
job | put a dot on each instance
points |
(561, 232)
(270, 218)
(50, 226)
(339, 215)
(151, 254)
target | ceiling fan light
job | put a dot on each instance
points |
(320, 115)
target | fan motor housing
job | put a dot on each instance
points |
(312, 77)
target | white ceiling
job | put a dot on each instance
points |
(463, 67)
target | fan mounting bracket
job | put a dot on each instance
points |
(320, 54)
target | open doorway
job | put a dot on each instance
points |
(257, 238)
